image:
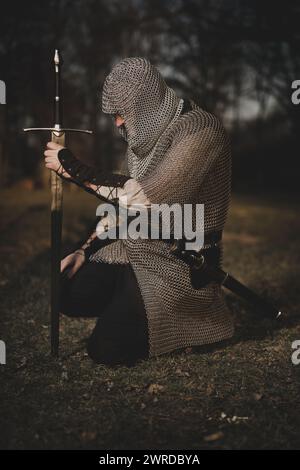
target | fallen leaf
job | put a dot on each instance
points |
(257, 396)
(214, 437)
(210, 389)
(237, 419)
(182, 373)
(88, 435)
(155, 388)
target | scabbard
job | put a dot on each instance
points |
(218, 275)
(257, 301)
(56, 232)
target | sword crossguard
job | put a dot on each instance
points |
(58, 129)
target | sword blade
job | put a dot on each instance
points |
(56, 232)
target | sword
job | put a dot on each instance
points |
(57, 136)
(202, 272)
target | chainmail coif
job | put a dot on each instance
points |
(176, 159)
(136, 91)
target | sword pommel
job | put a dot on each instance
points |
(56, 57)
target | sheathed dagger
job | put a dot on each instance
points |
(58, 133)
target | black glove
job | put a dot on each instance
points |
(82, 173)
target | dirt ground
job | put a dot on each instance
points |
(245, 394)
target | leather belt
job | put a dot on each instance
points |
(210, 238)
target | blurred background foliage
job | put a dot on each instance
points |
(235, 58)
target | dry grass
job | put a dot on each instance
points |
(244, 394)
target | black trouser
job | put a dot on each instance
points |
(110, 292)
